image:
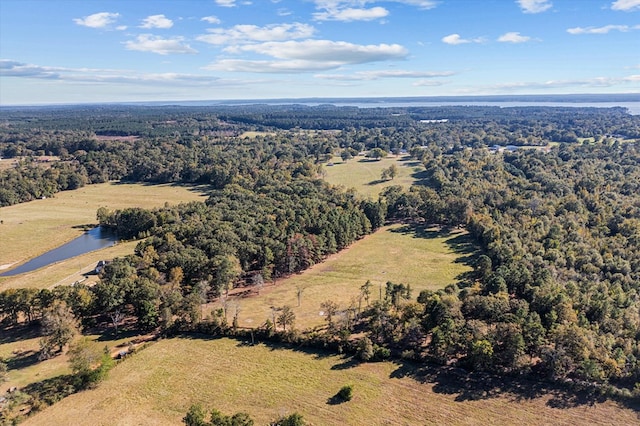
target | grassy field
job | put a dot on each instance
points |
(364, 174)
(30, 229)
(425, 259)
(19, 347)
(157, 386)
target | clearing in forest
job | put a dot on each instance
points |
(364, 174)
(423, 258)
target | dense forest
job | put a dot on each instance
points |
(555, 292)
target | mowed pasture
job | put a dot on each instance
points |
(157, 386)
(423, 258)
(364, 174)
(30, 229)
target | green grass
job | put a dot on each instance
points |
(364, 174)
(425, 259)
(157, 386)
(30, 229)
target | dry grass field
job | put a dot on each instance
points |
(364, 174)
(19, 348)
(157, 386)
(423, 258)
(30, 229)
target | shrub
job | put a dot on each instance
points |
(294, 419)
(346, 393)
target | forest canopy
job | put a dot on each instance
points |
(550, 195)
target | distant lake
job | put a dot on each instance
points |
(632, 107)
(95, 239)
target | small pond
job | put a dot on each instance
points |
(95, 239)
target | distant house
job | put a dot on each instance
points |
(100, 266)
(441, 120)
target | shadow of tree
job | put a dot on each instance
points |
(19, 332)
(349, 362)
(477, 386)
(460, 242)
(335, 400)
(52, 390)
(24, 360)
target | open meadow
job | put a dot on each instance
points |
(422, 258)
(364, 174)
(157, 386)
(30, 229)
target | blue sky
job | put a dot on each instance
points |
(141, 50)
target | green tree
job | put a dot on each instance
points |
(115, 287)
(481, 354)
(59, 327)
(377, 153)
(346, 154)
(389, 173)
(330, 309)
(365, 349)
(294, 419)
(286, 318)
(195, 416)
(88, 363)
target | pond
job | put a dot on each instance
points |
(95, 239)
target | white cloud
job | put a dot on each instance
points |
(308, 55)
(294, 66)
(351, 14)
(156, 21)
(253, 33)
(534, 6)
(376, 75)
(428, 83)
(161, 46)
(327, 50)
(356, 10)
(98, 20)
(601, 30)
(626, 5)
(211, 20)
(329, 4)
(92, 75)
(456, 39)
(513, 37)
(226, 3)
(557, 84)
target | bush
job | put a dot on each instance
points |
(346, 393)
(294, 419)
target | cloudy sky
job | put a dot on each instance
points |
(138, 50)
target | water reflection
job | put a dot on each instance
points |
(95, 239)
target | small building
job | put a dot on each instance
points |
(100, 266)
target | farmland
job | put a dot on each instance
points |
(157, 386)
